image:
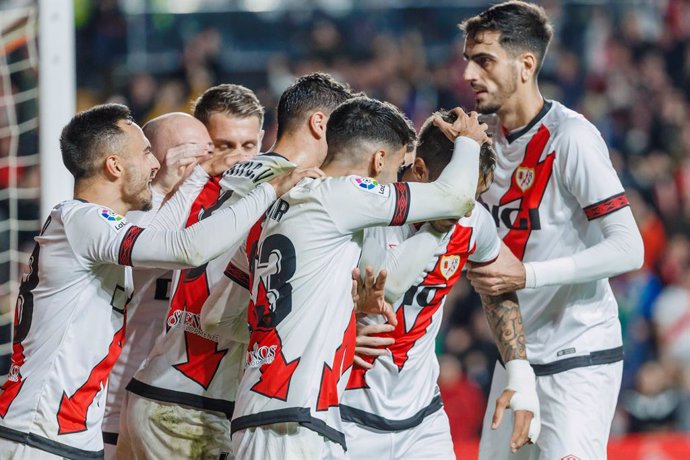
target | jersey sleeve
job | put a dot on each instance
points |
(355, 202)
(403, 258)
(487, 242)
(586, 169)
(243, 177)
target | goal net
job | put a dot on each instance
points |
(19, 155)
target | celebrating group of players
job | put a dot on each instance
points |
(197, 300)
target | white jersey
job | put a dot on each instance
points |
(301, 316)
(400, 390)
(145, 320)
(187, 364)
(69, 330)
(552, 178)
(145, 314)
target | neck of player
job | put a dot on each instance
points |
(301, 150)
(521, 107)
(103, 195)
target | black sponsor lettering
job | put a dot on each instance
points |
(278, 210)
(506, 216)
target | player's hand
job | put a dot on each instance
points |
(520, 395)
(283, 183)
(465, 125)
(368, 346)
(505, 274)
(178, 163)
(372, 296)
(218, 164)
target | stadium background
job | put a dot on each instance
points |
(624, 64)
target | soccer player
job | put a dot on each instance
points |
(301, 317)
(179, 142)
(560, 208)
(71, 309)
(192, 373)
(392, 404)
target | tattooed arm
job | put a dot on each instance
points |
(503, 313)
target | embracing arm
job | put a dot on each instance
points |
(620, 251)
(503, 314)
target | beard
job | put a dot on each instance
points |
(504, 89)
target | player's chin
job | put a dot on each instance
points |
(486, 107)
(146, 200)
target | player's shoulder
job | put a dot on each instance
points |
(243, 177)
(568, 125)
(85, 217)
(480, 218)
(356, 186)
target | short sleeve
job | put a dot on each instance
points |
(586, 169)
(487, 242)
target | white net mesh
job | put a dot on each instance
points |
(19, 158)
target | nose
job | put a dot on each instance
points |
(155, 164)
(470, 73)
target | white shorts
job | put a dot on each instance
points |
(13, 450)
(160, 430)
(284, 441)
(429, 440)
(577, 408)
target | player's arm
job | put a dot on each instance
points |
(217, 314)
(587, 173)
(451, 195)
(404, 262)
(192, 246)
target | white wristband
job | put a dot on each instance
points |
(530, 276)
(520, 375)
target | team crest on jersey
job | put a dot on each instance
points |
(524, 177)
(367, 184)
(114, 219)
(449, 265)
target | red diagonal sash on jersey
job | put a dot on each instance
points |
(528, 183)
(426, 297)
(71, 416)
(342, 361)
(203, 356)
(266, 348)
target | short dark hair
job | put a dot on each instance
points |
(313, 92)
(89, 136)
(522, 27)
(436, 149)
(231, 99)
(365, 119)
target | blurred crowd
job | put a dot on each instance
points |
(625, 65)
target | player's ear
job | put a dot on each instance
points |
(378, 160)
(419, 170)
(113, 166)
(528, 66)
(317, 124)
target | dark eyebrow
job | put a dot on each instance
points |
(479, 56)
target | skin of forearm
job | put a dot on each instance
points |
(503, 313)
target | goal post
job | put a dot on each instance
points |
(57, 96)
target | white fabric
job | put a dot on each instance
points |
(574, 319)
(430, 440)
(217, 374)
(521, 380)
(301, 317)
(283, 441)
(403, 381)
(72, 305)
(620, 251)
(671, 314)
(577, 408)
(12, 450)
(157, 430)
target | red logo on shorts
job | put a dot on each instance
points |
(570, 457)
